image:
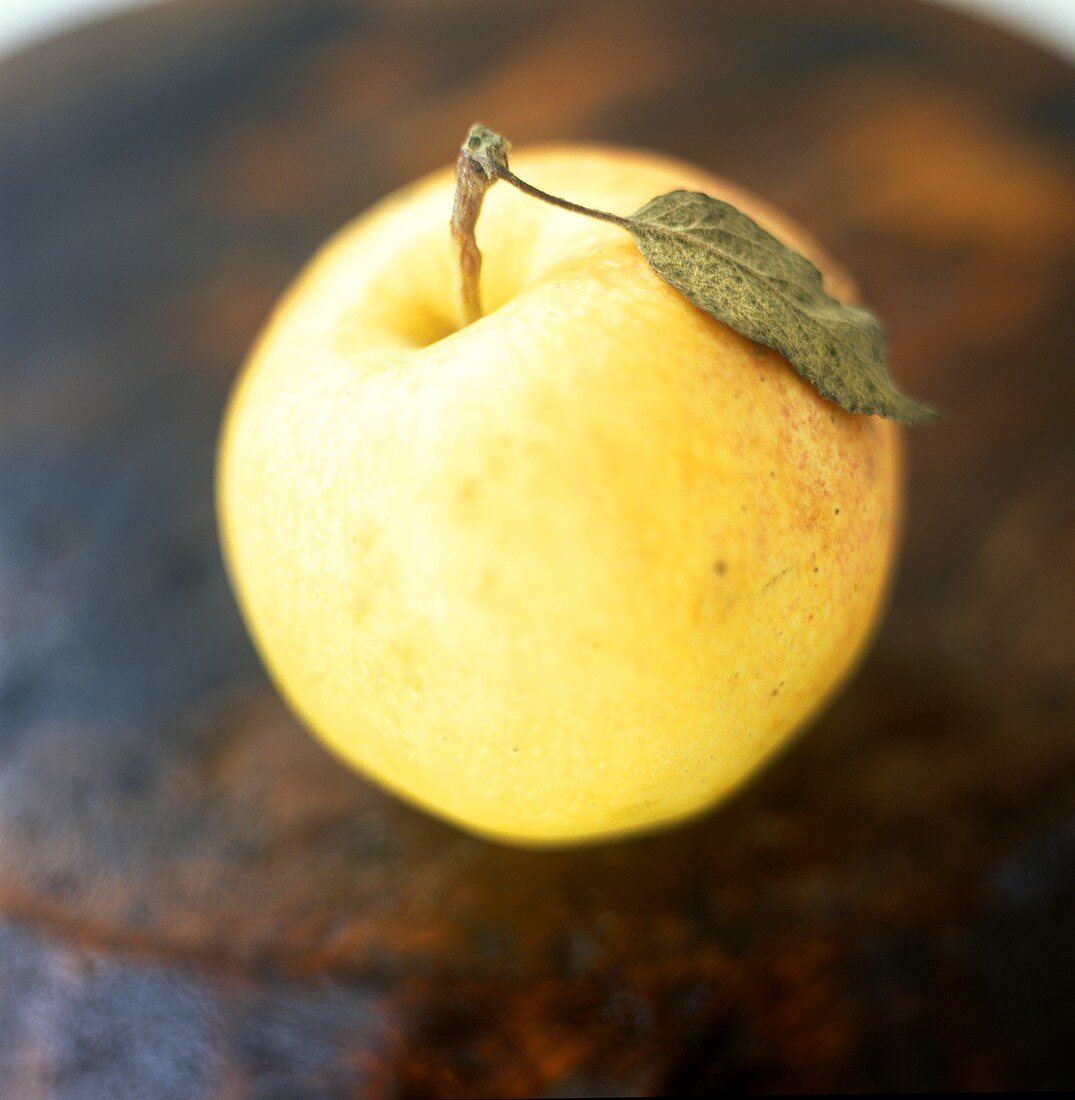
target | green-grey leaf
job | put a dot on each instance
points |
(726, 264)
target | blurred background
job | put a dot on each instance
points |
(196, 901)
(24, 21)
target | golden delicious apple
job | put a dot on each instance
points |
(573, 570)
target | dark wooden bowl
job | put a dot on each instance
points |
(198, 902)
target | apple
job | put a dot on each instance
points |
(574, 570)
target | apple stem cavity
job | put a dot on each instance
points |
(482, 160)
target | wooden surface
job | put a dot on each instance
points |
(198, 902)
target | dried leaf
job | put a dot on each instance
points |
(726, 264)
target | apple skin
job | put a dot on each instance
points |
(575, 570)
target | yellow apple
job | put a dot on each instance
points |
(574, 570)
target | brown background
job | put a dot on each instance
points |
(198, 902)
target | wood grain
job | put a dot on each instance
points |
(197, 901)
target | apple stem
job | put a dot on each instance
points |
(471, 183)
(482, 160)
